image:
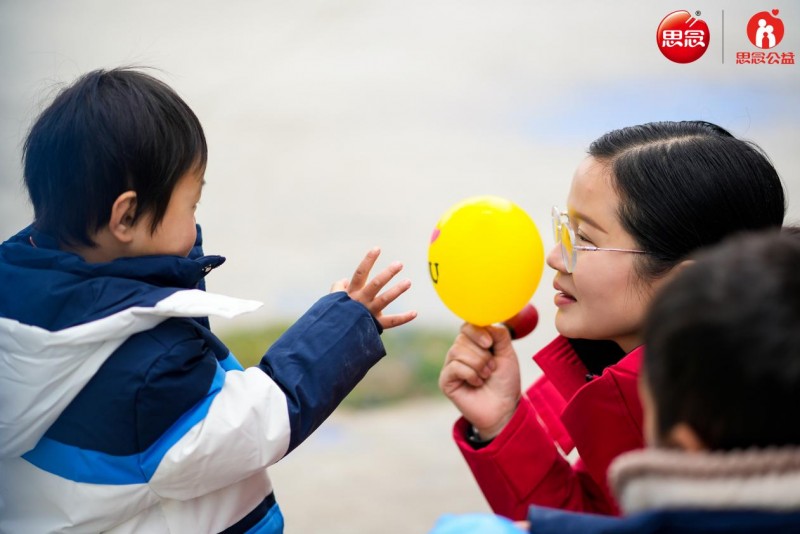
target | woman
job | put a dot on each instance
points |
(644, 199)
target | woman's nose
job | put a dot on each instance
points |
(555, 260)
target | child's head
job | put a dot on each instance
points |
(113, 134)
(662, 190)
(722, 354)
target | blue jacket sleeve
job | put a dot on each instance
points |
(321, 358)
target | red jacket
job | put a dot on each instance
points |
(600, 416)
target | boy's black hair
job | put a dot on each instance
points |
(722, 344)
(109, 132)
(686, 185)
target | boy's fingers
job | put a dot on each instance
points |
(381, 279)
(390, 295)
(362, 271)
(390, 321)
(339, 285)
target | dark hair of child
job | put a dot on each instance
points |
(723, 344)
(111, 131)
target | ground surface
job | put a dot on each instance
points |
(389, 470)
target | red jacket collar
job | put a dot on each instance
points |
(564, 369)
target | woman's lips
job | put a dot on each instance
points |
(562, 298)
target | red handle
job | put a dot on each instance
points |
(523, 323)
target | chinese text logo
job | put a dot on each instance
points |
(682, 37)
(765, 31)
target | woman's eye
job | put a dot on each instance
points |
(582, 238)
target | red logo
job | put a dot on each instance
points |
(765, 30)
(683, 38)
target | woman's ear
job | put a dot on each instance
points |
(123, 215)
(681, 266)
(684, 437)
(676, 270)
(672, 273)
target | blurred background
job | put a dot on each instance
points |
(337, 126)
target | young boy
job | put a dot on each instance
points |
(720, 385)
(119, 410)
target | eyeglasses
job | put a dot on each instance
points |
(565, 236)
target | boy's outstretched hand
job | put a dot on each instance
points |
(367, 293)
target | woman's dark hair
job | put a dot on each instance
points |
(685, 185)
(722, 344)
(109, 132)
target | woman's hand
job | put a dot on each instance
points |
(481, 377)
(367, 293)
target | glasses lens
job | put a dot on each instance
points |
(555, 219)
(567, 250)
(562, 233)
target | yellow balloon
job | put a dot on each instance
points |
(485, 259)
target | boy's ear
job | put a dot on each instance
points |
(684, 437)
(123, 213)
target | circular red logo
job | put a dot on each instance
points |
(765, 30)
(682, 37)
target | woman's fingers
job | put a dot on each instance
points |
(456, 373)
(474, 357)
(478, 335)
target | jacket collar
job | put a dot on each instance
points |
(755, 479)
(33, 249)
(564, 367)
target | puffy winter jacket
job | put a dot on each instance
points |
(121, 412)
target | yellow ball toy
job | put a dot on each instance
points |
(485, 259)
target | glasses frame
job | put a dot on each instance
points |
(563, 232)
